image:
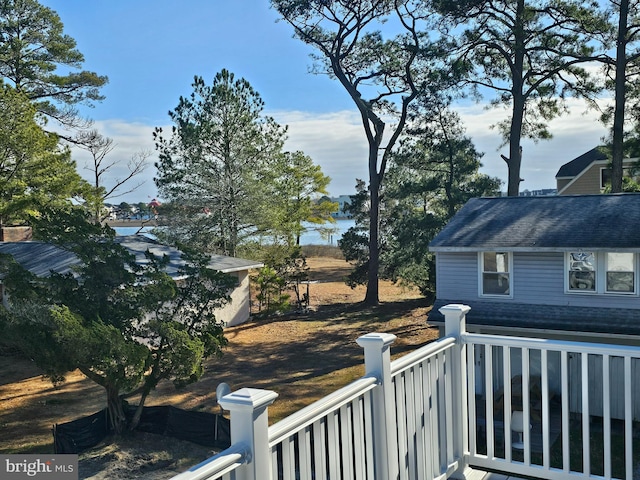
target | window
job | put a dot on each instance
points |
(602, 272)
(605, 175)
(620, 273)
(495, 268)
(582, 271)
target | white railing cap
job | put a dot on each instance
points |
(373, 338)
(250, 398)
(454, 307)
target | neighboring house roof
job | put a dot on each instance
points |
(579, 164)
(558, 223)
(566, 318)
(139, 244)
(41, 258)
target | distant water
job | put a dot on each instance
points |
(313, 235)
(132, 230)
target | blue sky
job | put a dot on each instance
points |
(151, 50)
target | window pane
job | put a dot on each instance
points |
(620, 282)
(620, 272)
(605, 177)
(620, 262)
(582, 281)
(495, 262)
(583, 261)
(495, 284)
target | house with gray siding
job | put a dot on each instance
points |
(552, 267)
(560, 267)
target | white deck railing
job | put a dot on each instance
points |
(444, 408)
(579, 406)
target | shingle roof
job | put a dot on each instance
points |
(565, 222)
(41, 258)
(578, 164)
(139, 244)
(623, 321)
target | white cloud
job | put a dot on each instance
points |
(129, 139)
(337, 143)
(573, 134)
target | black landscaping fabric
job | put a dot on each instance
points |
(80, 434)
(206, 429)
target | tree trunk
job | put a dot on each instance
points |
(620, 97)
(138, 413)
(517, 117)
(372, 296)
(115, 410)
(514, 162)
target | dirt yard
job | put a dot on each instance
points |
(302, 357)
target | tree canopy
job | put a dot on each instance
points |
(433, 174)
(294, 184)
(224, 172)
(33, 47)
(125, 325)
(528, 53)
(35, 173)
(99, 147)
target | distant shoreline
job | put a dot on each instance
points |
(155, 223)
(132, 223)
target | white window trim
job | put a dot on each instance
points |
(625, 172)
(601, 276)
(481, 272)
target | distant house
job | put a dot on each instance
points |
(543, 192)
(558, 266)
(41, 258)
(589, 173)
(342, 201)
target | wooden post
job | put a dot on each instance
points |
(377, 360)
(456, 326)
(250, 426)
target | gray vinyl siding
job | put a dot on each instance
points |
(457, 275)
(538, 279)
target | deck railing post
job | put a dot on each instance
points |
(455, 326)
(377, 359)
(250, 426)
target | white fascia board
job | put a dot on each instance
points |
(532, 249)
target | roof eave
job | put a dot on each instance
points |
(241, 268)
(503, 248)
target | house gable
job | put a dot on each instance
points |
(576, 166)
(584, 174)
